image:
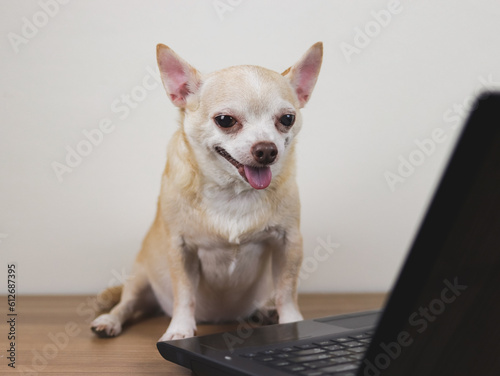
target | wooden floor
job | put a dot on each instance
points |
(53, 336)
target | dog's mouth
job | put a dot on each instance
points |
(257, 177)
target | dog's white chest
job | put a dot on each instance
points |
(231, 267)
(237, 219)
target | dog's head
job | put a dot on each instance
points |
(240, 121)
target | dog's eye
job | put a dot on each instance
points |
(225, 121)
(287, 120)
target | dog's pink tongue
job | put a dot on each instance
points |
(258, 177)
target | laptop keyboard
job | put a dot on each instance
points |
(336, 356)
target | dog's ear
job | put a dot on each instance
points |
(179, 78)
(304, 74)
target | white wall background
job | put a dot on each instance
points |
(71, 72)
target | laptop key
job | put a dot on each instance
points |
(361, 336)
(278, 363)
(319, 363)
(310, 358)
(283, 356)
(340, 353)
(333, 347)
(360, 349)
(266, 358)
(352, 344)
(308, 352)
(340, 368)
(323, 343)
(357, 356)
(341, 339)
(268, 352)
(306, 346)
(340, 360)
(294, 368)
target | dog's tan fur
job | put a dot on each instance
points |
(219, 249)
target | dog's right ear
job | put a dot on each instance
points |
(180, 79)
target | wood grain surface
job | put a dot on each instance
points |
(53, 336)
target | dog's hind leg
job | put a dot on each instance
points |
(108, 298)
(136, 297)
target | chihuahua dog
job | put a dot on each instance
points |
(226, 239)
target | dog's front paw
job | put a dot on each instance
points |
(292, 316)
(106, 326)
(181, 326)
(177, 334)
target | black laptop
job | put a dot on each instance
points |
(443, 315)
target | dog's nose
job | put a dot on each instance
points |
(264, 152)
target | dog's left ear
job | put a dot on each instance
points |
(180, 79)
(304, 74)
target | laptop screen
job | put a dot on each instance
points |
(442, 317)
